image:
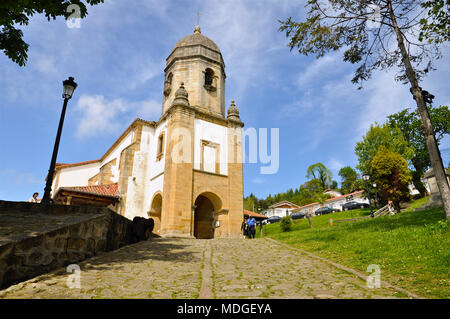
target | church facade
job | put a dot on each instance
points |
(184, 170)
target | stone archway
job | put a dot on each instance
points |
(206, 205)
(155, 212)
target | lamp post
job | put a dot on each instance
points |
(69, 87)
(366, 177)
(376, 194)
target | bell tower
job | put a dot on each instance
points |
(203, 178)
(197, 62)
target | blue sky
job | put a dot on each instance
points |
(118, 57)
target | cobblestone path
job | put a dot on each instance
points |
(188, 268)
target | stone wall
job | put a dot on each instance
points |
(35, 239)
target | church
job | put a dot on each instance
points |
(185, 169)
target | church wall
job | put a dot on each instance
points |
(75, 176)
(211, 132)
(116, 154)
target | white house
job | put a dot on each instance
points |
(280, 209)
(335, 202)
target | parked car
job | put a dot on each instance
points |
(273, 219)
(298, 215)
(325, 210)
(354, 205)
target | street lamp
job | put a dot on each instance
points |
(376, 194)
(366, 177)
(69, 87)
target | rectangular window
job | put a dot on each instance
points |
(160, 149)
(210, 157)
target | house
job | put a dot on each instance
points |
(280, 209)
(335, 202)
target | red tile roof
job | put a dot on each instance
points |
(110, 190)
(61, 165)
(253, 214)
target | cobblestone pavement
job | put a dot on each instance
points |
(189, 268)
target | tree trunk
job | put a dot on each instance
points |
(433, 150)
(308, 215)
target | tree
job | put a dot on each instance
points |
(335, 24)
(18, 12)
(437, 27)
(319, 172)
(390, 172)
(350, 179)
(390, 137)
(411, 127)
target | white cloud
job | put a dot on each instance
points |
(100, 116)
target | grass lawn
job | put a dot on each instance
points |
(411, 248)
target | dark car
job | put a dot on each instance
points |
(273, 219)
(325, 210)
(354, 205)
(298, 215)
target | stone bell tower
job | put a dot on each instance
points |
(203, 182)
(196, 60)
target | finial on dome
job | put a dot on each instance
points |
(197, 30)
(181, 96)
(233, 112)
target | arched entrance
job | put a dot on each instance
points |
(204, 222)
(155, 212)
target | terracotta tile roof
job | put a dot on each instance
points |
(342, 196)
(328, 200)
(253, 214)
(284, 202)
(62, 165)
(110, 190)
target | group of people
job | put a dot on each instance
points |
(248, 227)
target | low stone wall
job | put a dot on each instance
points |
(35, 238)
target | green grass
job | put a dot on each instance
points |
(411, 248)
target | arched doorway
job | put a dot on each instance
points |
(155, 212)
(204, 222)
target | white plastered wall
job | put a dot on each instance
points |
(214, 133)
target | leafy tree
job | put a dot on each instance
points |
(390, 41)
(411, 127)
(18, 12)
(436, 25)
(390, 172)
(350, 180)
(390, 137)
(319, 172)
(286, 223)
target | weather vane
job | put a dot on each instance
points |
(198, 17)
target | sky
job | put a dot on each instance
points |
(117, 57)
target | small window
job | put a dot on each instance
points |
(168, 84)
(160, 149)
(209, 80)
(209, 74)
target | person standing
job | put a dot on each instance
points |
(251, 227)
(34, 198)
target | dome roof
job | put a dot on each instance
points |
(197, 39)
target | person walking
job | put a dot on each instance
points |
(244, 227)
(34, 198)
(251, 227)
